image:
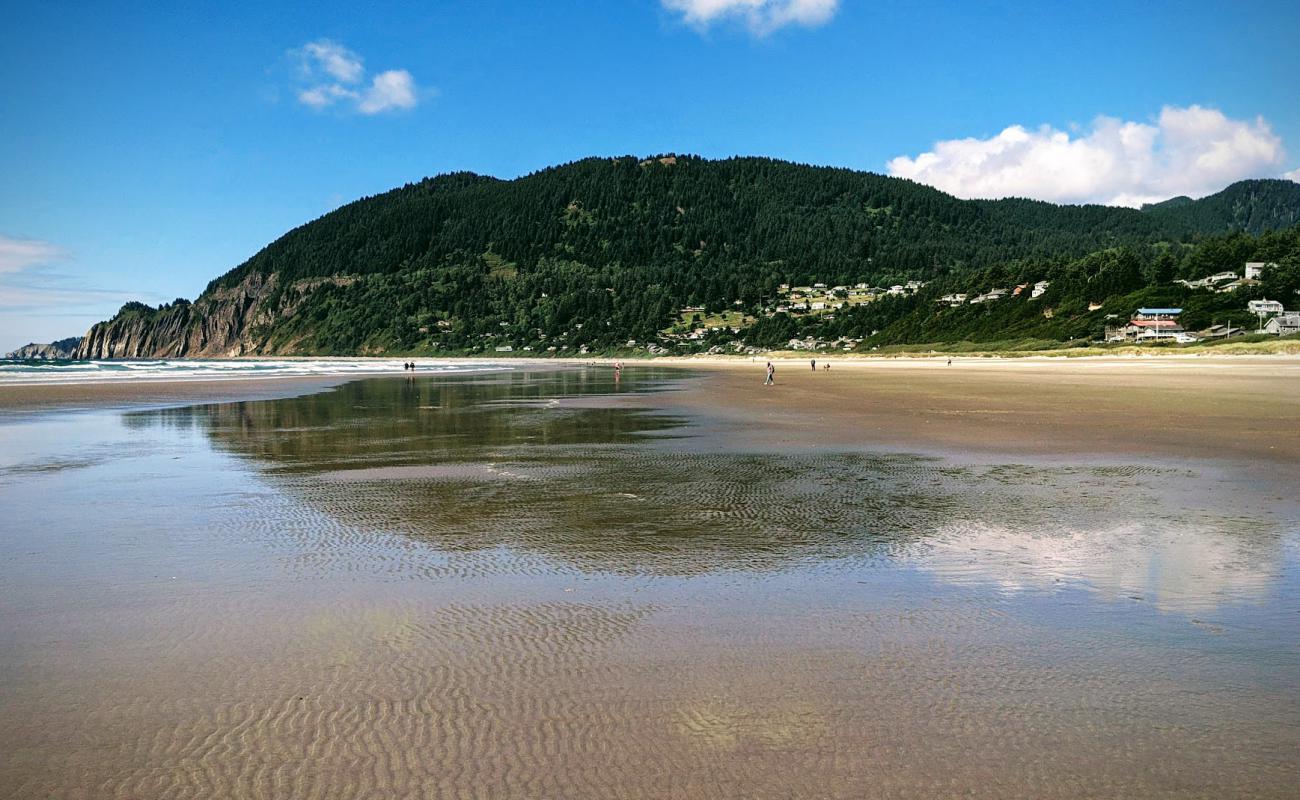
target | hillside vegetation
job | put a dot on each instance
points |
(602, 251)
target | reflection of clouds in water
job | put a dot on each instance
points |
(1176, 568)
(499, 479)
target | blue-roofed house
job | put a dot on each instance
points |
(1157, 313)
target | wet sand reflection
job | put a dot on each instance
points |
(527, 586)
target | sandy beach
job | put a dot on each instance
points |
(892, 579)
(1231, 407)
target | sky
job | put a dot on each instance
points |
(147, 148)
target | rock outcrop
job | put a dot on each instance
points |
(223, 323)
(63, 348)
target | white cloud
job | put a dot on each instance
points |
(326, 95)
(389, 90)
(1187, 151)
(335, 60)
(40, 303)
(761, 16)
(333, 75)
(19, 254)
(1293, 175)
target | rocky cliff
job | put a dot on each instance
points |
(225, 322)
(63, 348)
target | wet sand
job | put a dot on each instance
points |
(1227, 408)
(907, 581)
(26, 399)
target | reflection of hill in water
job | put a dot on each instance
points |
(548, 464)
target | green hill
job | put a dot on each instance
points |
(1251, 206)
(604, 250)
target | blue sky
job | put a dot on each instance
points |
(145, 150)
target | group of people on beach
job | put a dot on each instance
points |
(771, 371)
(409, 365)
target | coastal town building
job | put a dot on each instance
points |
(1284, 324)
(1222, 331)
(1150, 324)
(1237, 284)
(1157, 313)
(991, 294)
(1254, 270)
(1261, 307)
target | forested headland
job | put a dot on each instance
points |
(593, 255)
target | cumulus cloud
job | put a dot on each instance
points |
(1293, 175)
(1191, 151)
(332, 75)
(335, 60)
(760, 16)
(19, 254)
(388, 90)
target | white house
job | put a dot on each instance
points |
(1255, 269)
(1040, 288)
(1262, 307)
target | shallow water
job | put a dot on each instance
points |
(43, 372)
(547, 584)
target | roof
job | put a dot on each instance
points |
(1162, 311)
(1154, 323)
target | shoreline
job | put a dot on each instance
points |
(1236, 408)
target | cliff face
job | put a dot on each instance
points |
(64, 348)
(222, 323)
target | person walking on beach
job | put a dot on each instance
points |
(771, 373)
(814, 365)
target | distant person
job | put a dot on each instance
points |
(771, 375)
(814, 365)
(950, 362)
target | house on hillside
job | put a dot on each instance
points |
(1157, 313)
(991, 294)
(1147, 329)
(1255, 269)
(1039, 289)
(1262, 307)
(1149, 324)
(1235, 285)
